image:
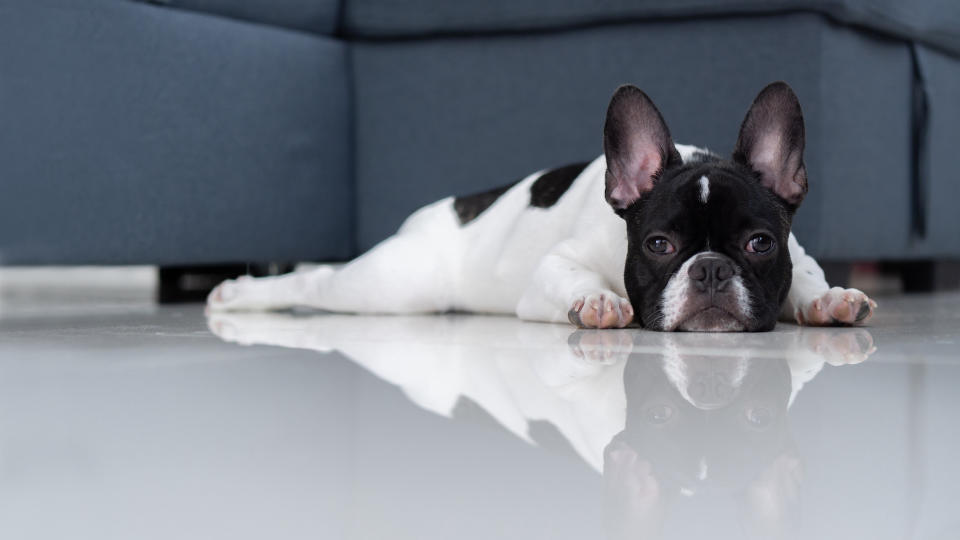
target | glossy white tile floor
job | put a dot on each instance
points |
(123, 420)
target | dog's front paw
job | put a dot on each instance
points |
(601, 310)
(837, 307)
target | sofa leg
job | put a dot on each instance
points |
(928, 275)
(918, 276)
(180, 284)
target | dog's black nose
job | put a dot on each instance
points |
(711, 274)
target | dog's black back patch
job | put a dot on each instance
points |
(468, 207)
(548, 189)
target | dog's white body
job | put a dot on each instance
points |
(534, 262)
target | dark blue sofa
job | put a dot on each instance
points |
(183, 132)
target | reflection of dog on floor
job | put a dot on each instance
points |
(622, 399)
(703, 427)
(685, 239)
(706, 428)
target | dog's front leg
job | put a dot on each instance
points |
(564, 289)
(813, 302)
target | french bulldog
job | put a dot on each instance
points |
(681, 240)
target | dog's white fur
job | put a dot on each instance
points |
(513, 258)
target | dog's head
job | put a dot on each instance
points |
(707, 238)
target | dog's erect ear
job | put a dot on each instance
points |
(771, 142)
(637, 145)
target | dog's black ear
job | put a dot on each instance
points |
(771, 142)
(637, 146)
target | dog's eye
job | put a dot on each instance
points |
(659, 414)
(758, 417)
(760, 243)
(660, 246)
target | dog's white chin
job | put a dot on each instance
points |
(712, 319)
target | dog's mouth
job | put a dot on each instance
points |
(712, 319)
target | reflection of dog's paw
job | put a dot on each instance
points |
(839, 347)
(630, 479)
(601, 347)
(229, 327)
(278, 329)
(601, 310)
(256, 328)
(837, 307)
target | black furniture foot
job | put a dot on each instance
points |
(179, 284)
(918, 276)
(927, 275)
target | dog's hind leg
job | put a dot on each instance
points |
(413, 271)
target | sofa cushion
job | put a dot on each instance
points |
(460, 115)
(318, 16)
(936, 22)
(167, 137)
